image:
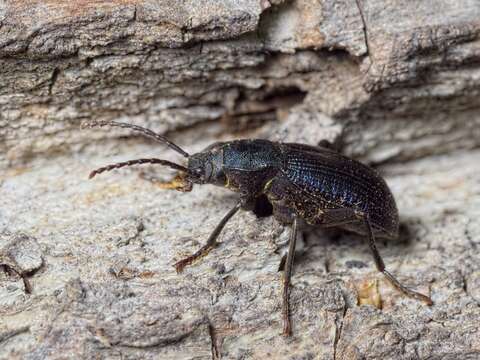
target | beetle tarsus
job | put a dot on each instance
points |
(409, 292)
(180, 265)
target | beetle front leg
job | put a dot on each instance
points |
(178, 182)
(287, 326)
(211, 242)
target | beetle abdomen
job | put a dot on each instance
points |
(342, 182)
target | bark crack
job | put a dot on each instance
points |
(53, 80)
(365, 29)
(134, 18)
(468, 235)
(12, 333)
(339, 329)
(213, 336)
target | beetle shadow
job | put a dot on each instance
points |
(318, 240)
(315, 238)
(405, 235)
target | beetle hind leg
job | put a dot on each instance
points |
(346, 216)
(381, 267)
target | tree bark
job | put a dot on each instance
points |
(395, 82)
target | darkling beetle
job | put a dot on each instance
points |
(313, 185)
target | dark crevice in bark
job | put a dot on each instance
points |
(339, 329)
(365, 29)
(216, 355)
(53, 79)
(12, 333)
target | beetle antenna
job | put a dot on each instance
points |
(138, 162)
(144, 131)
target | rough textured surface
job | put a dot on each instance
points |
(396, 82)
(108, 285)
(20, 252)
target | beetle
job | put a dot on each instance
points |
(304, 184)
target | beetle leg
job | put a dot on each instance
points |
(283, 260)
(338, 217)
(336, 145)
(178, 183)
(211, 242)
(287, 327)
(381, 267)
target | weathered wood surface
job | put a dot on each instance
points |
(397, 81)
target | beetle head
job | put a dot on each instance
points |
(206, 167)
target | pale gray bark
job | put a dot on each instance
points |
(397, 82)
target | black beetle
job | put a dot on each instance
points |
(316, 185)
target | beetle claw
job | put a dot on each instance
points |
(287, 329)
(180, 265)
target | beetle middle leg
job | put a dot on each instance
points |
(211, 242)
(287, 327)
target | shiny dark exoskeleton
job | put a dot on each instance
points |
(313, 183)
(302, 183)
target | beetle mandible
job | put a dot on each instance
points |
(303, 183)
